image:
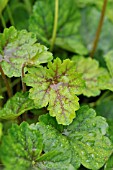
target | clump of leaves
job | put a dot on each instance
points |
(42, 146)
(45, 124)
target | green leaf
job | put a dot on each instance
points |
(18, 48)
(54, 141)
(42, 21)
(86, 134)
(3, 4)
(21, 147)
(85, 138)
(109, 62)
(109, 164)
(57, 85)
(99, 5)
(16, 106)
(89, 23)
(93, 75)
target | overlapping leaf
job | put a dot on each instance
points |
(24, 148)
(56, 85)
(90, 20)
(42, 21)
(21, 147)
(86, 136)
(93, 75)
(18, 48)
(17, 105)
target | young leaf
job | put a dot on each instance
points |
(86, 137)
(17, 105)
(42, 19)
(21, 147)
(56, 85)
(93, 75)
(18, 48)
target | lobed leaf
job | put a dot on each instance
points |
(86, 137)
(16, 106)
(21, 147)
(56, 85)
(93, 75)
(42, 22)
(18, 48)
(24, 148)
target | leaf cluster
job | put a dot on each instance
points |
(56, 110)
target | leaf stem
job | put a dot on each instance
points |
(55, 25)
(10, 15)
(9, 91)
(28, 5)
(23, 84)
(3, 21)
(99, 29)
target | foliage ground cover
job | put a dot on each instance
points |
(56, 85)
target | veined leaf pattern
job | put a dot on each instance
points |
(18, 48)
(56, 86)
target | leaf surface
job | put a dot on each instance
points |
(89, 23)
(42, 21)
(17, 105)
(86, 137)
(21, 147)
(93, 75)
(56, 85)
(18, 48)
(24, 148)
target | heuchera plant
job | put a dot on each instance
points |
(44, 125)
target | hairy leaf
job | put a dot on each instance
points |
(86, 134)
(53, 140)
(42, 21)
(18, 48)
(93, 75)
(24, 148)
(86, 137)
(56, 85)
(17, 105)
(21, 147)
